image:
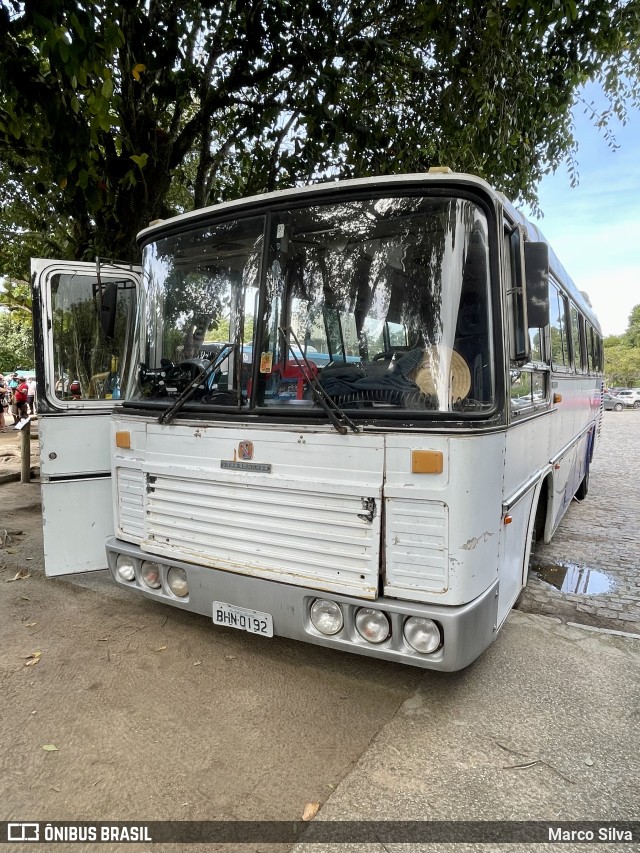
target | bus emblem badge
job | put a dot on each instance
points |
(245, 450)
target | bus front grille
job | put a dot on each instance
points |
(302, 535)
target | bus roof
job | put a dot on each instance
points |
(323, 188)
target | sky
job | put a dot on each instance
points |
(594, 228)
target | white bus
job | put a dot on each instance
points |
(339, 414)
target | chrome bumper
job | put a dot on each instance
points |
(467, 629)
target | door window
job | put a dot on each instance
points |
(92, 334)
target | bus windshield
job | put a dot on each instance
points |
(379, 304)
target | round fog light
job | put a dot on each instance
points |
(151, 574)
(125, 568)
(422, 634)
(326, 616)
(372, 625)
(177, 582)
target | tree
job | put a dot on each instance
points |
(114, 114)
(15, 297)
(16, 342)
(632, 335)
(622, 354)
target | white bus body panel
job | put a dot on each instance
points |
(77, 514)
(312, 517)
(443, 539)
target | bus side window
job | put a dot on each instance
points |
(513, 259)
(594, 349)
(560, 357)
(577, 340)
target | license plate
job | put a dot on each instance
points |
(252, 621)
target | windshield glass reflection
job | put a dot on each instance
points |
(383, 303)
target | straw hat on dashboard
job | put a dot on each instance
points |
(427, 372)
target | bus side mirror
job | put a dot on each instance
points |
(108, 305)
(536, 262)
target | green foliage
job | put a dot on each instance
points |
(114, 114)
(632, 335)
(15, 296)
(622, 354)
(16, 341)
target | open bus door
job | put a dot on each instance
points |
(85, 330)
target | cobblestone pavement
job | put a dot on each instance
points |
(595, 550)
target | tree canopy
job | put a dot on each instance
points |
(622, 354)
(117, 113)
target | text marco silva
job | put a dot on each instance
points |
(603, 833)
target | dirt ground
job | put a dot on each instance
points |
(154, 713)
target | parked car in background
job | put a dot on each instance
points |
(630, 397)
(611, 403)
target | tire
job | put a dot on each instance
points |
(583, 488)
(636, 405)
(537, 537)
(618, 407)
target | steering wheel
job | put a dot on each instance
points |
(190, 368)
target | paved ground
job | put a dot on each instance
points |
(597, 544)
(543, 726)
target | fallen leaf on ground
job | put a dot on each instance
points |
(33, 658)
(310, 811)
(50, 747)
(197, 663)
(19, 576)
(161, 648)
(30, 624)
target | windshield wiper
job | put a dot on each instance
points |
(336, 415)
(195, 383)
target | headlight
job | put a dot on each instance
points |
(422, 634)
(125, 568)
(177, 582)
(150, 573)
(326, 616)
(372, 625)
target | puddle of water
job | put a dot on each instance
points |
(571, 578)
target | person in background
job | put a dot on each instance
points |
(4, 402)
(13, 384)
(31, 397)
(21, 395)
